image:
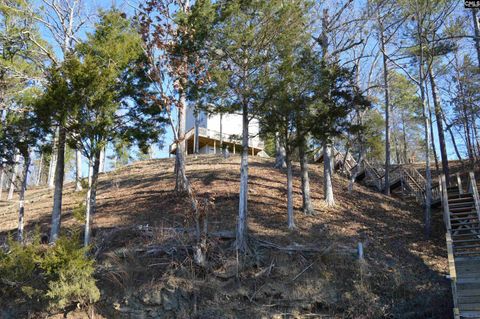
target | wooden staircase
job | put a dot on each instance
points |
(461, 214)
(404, 177)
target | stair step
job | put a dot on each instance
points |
(470, 314)
(459, 197)
(467, 253)
(465, 274)
(464, 215)
(462, 204)
(469, 286)
(462, 224)
(469, 306)
(466, 229)
(474, 280)
(466, 237)
(471, 299)
(461, 260)
(466, 240)
(463, 218)
(465, 246)
(463, 209)
(470, 211)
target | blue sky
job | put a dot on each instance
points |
(92, 6)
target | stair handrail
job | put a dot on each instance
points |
(414, 180)
(476, 199)
(370, 170)
(421, 183)
(446, 208)
(452, 269)
(416, 175)
(370, 167)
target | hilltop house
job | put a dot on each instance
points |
(203, 133)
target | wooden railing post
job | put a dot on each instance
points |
(476, 199)
(459, 183)
(451, 267)
(446, 209)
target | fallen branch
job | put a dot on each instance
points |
(293, 248)
(266, 270)
(308, 267)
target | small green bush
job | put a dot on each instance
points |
(17, 265)
(69, 273)
(84, 183)
(79, 213)
(60, 275)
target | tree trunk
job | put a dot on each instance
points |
(2, 179)
(279, 153)
(452, 137)
(57, 195)
(477, 33)
(91, 198)
(306, 198)
(39, 171)
(434, 150)
(50, 183)
(327, 175)
(53, 160)
(358, 169)
(221, 134)
(397, 152)
(14, 176)
(441, 133)
(223, 147)
(101, 168)
(291, 221)
(387, 111)
(428, 184)
(88, 205)
(180, 159)
(471, 155)
(21, 209)
(475, 135)
(78, 171)
(241, 243)
(405, 144)
(197, 138)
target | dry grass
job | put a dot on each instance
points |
(402, 276)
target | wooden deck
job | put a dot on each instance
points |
(214, 139)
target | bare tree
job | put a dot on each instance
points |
(476, 27)
(169, 70)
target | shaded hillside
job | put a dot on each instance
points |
(143, 242)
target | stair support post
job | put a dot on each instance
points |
(446, 209)
(476, 199)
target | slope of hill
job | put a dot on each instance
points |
(143, 241)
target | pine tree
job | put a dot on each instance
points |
(240, 49)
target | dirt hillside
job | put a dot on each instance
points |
(144, 243)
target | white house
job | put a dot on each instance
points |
(208, 135)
